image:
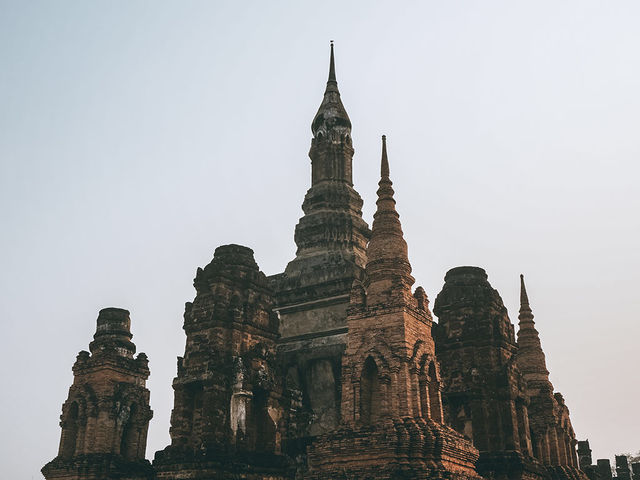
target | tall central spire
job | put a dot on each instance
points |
(332, 225)
(531, 359)
(388, 264)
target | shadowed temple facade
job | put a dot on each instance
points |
(332, 369)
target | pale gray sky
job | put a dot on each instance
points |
(137, 136)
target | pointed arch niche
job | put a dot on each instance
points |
(70, 429)
(370, 397)
(130, 434)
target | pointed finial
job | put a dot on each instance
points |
(524, 299)
(332, 66)
(384, 166)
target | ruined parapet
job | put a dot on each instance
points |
(623, 472)
(604, 468)
(585, 460)
(106, 416)
(228, 414)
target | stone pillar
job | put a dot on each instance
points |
(573, 456)
(562, 447)
(524, 429)
(554, 450)
(546, 449)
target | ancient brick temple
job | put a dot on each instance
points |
(333, 369)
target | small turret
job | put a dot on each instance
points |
(113, 333)
(106, 416)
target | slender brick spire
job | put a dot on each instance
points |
(387, 257)
(531, 359)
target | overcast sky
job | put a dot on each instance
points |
(137, 136)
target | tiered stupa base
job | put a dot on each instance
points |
(407, 448)
(566, 473)
(510, 465)
(97, 466)
(173, 463)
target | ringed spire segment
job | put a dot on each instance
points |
(531, 359)
(524, 299)
(387, 253)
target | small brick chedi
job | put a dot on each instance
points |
(106, 416)
(333, 369)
